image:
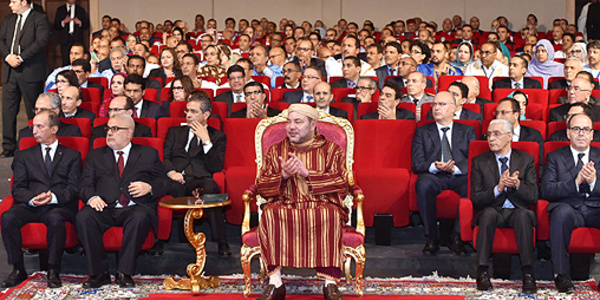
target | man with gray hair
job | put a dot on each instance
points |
(118, 196)
(118, 62)
(503, 186)
(51, 102)
(572, 66)
(364, 90)
(474, 89)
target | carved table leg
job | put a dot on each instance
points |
(195, 282)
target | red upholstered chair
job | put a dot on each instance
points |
(263, 79)
(347, 107)
(271, 131)
(537, 125)
(91, 106)
(339, 93)
(163, 125)
(378, 163)
(539, 96)
(92, 95)
(34, 234)
(365, 108)
(113, 237)
(100, 80)
(484, 89)
(554, 127)
(84, 124)
(151, 95)
(277, 94)
(504, 239)
(150, 122)
(554, 94)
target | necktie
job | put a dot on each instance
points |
(517, 85)
(351, 84)
(124, 201)
(392, 71)
(193, 148)
(580, 161)
(416, 101)
(135, 114)
(584, 188)
(309, 98)
(238, 98)
(15, 47)
(503, 168)
(48, 161)
(71, 23)
(446, 150)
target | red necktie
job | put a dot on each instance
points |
(135, 114)
(124, 201)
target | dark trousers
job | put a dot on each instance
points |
(215, 216)
(519, 219)
(564, 218)
(17, 86)
(65, 48)
(91, 225)
(53, 217)
(428, 187)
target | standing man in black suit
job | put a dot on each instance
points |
(389, 98)
(70, 101)
(570, 183)
(255, 103)
(580, 91)
(192, 154)
(310, 77)
(503, 186)
(516, 72)
(121, 105)
(439, 155)
(52, 102)
(70, 22)
(323, 98)
(24, 71)
(45, 182)
(120, 185)
(134, 88)
(236, 76)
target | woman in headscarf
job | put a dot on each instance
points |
(213, 67)
(464, 56)
(117, 88)
(579, 50)
(543, 64)
(505, 59)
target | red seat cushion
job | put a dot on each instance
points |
(113, 239)
(585, 240)
(250, 238)
(504, 240)
(352, 238)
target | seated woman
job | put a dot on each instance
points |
(169, 66)
(66, 79)
(181, 88)
(117, 88)
(177, 33)
(464, 56)
(578, 50)
(523, 100)
(543, 64)
(214, 67)
(132, 40)
(420, 52)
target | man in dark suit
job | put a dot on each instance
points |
(516, 72)
(105, 25)
(45, 182)
(323, 98)
(255, 103)
(577, 108)
(407, 66)
(310, 77)
(236, 76)
(439, 155)
(351, 71)
(137, 65)
(305, 56)
(24, 67)
(503, 186)
(120, 185)
(134, 88)
(572, 66)
(192, 154)
(459, 90)
(389, 98)
(570, 184)
(291, 75)
(121, 105)
(580, 91)
(52, 102)
(70, 101)
(392, 55)
(82, 69)
(70, 22)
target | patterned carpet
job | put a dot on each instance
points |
(35, 288)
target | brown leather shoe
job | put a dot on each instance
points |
(331, 292)
(272, 293)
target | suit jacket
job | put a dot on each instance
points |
(340, 83)
(64, 129)
(593, 100)
(485, 176)
(153, 110)
(81, 113)
(32, 41)
(78, 31)
(382, 73)
(292, 97)
(241, 114)
(104, 65)
(401, 114)
(204, 164)
(140, 130)
(161, 74)
(38, 8)
(562, 84)
(465, 114)
(557, 114)
(558, 181)
(316, 63)
(505, 83)
(226, 97)
(31, 179)
(337, 112)
(100, 177)
(398, 80)
(427, 147)
(425, 99)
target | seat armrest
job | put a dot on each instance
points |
(543, 219)
(165, 220)
(466, 219)
(358, 194)
(249, 195)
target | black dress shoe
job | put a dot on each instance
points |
(564, 284)
(224, 249)
(124, 280)
(7, 153)
(457, 246)
(272, 293)
(483, 281)
(14, 279)
(331, 292)
(432, 246)
(53, 279)
(529, 286)
(97, 281)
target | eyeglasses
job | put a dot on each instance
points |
(303, 49)
(287, 71)
(363, 88)
(177, 88)
(116, 109)
(575, 52)
(236, 78)
(114, 128)
(256, 93)
(309, 77)
(415, 52)
(579, 130)
(576, 89)
(491, 134)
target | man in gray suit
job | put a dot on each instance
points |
(415, 90)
